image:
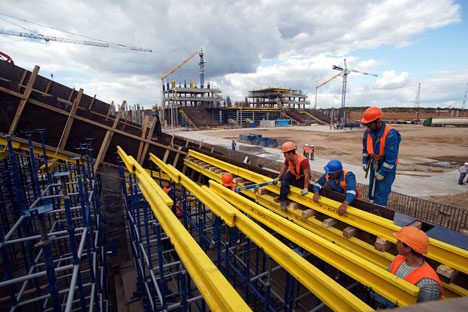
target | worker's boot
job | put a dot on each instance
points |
(284, 205)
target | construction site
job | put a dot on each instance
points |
(101, 212)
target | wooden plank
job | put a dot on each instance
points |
(92, 102)
(172, 141)
(71, 94)
(25, 97)
(48, 86)
(148, 137)
(143, 133)
(166, 154)
(23, 77)
(109, 110)
(176, 158)
(108, 138)
(69, 124)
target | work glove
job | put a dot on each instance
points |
(379, 177)
(275, 180)
(365, 168)
(304, 191)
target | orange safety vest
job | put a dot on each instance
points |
(424, 271)
(296, 171)
(306, 149)
(370, 144)
(178, 208)
(344, 185)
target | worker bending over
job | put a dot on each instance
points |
(339, 180)
(298, 174)
(233, 231)
(379, 155)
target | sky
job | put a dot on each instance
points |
(250, 45)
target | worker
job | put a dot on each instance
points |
(463, 170)
(178, 208)
(157, 130)
(379, 155)
(312, 150)
(305, 152)
(410, 264)
(226, 180)
(298, 174)
(233, 144)
(339, 180)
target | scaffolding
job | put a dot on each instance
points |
(51, 236)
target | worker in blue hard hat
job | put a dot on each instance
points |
(339, 180)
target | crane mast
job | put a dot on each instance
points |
(345, 72)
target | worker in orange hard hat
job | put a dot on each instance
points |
(226, 180)
(297, 175)
(411, 266)
(178, 209)
(379, 155)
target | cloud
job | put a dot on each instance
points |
(392, 80)
(305, 37)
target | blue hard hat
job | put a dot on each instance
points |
(333, 166)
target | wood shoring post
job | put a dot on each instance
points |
(23, 77)
(71, 94)
(109, 110)
(176, 158)
(108, 138)
(48, 86)
(92, 102)
(148, 137)
(69, 124)
(143, 133)
(25, 97)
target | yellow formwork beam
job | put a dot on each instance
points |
(216, 290)
(450, 255)
(388, 285)
(25, 147)
(353, 244)
(325, 288)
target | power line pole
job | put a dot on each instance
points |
(416, 102)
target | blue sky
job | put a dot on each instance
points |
(252, 44)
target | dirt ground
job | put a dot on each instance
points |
(424, 151)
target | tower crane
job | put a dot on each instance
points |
(345, 72)
(464, 98)
(416, 102)
(322, 84)
(73, 41)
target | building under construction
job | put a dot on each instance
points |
(98, 214)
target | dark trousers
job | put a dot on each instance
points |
(287, 180)
(462, 176)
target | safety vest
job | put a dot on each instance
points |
(178, 208)
(424, 271)
(296, 171)
(344, 185)
(370, 144)
(306, 149)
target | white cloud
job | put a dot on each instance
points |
(308, 37)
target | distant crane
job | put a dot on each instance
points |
(322, 84)
(74, 41)
(202, 69)
(464, 98)
(167, 75)
(416, 102)
(345, 72)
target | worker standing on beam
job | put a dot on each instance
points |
(410, 265)
(379, 155)
(226, 181)
(339, 180)
(298, 174)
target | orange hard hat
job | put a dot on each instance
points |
(371, 114)
(414, 238)
(288, 146)
(227, 179)
(166, 190)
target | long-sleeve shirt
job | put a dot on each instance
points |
(351, 190)
(392, 145)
